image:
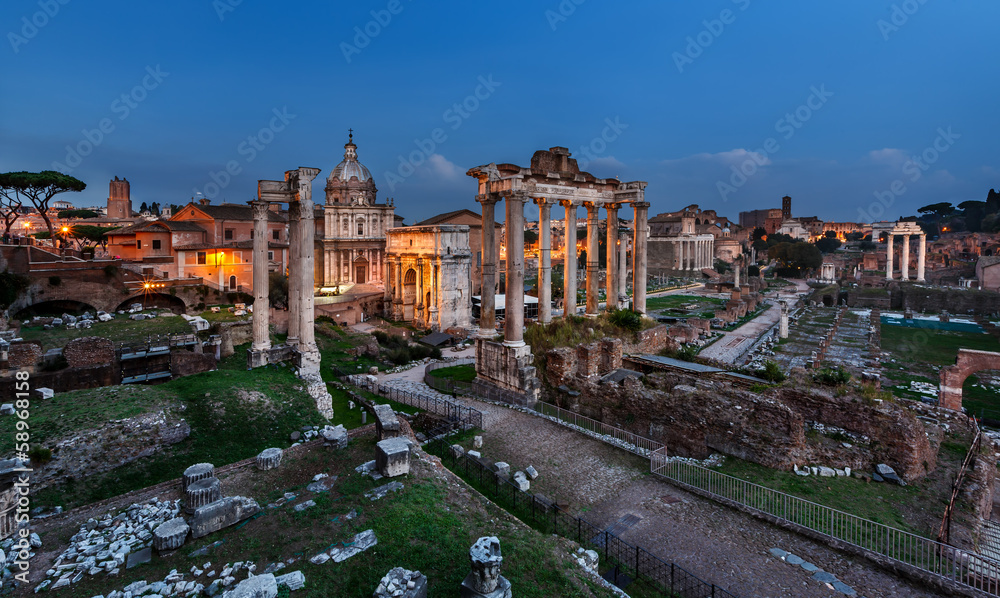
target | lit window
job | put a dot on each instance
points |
(202, 258)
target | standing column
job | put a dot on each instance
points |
(612, 278)
(904, 258)
(307, 288)
(736, 272)
(639, 257)
(593, 257)
(677, 254)
(921, 252)
(514, 304)
(487, 307)
(569, 267)
(888, 259)
(680, 254)
(622, 270)
(397, 301)
(419, 311)
(261, 306)
(294, 274)
(545, 261)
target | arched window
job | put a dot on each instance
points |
(232, 283)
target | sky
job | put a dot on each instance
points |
(864, 111)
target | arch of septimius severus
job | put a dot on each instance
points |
(553, 177)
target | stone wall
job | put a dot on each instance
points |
(63, 380)
(651, 340)
(233, 334)
(695, 420)
(926, 299)
(585, 361)
(112, 445)
(185, 363)
(24, 355)
(89, 351)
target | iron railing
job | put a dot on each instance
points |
(472, 389)
(623, 439)
(904, 548)
(619, 557)
(452, 410)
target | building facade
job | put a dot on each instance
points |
(676, 247)
(475, 223)
(430, 276)
(350, 247)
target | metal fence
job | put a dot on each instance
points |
(905, 548)
(455, 412)
(632, 443)
(621, 558)
(473, 389)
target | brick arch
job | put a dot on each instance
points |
(953, 377)
(156, 300)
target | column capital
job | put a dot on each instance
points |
(542, 201)
(518, 196)
(640, 204)
(260, 208)
(567, 203)
(613, 206)
(488, 198)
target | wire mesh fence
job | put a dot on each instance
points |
(619, 557)
(962, 566)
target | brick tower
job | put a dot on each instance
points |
(786, 208)
(119, 200)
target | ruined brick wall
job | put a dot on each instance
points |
(701, 324)
(89, 351)
(185, 363)
(560, 365)
(24, 355)
(63, 380)
(587, 361)
(652, 340)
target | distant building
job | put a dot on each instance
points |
(793, 228)
(769, 220)
(675, 247)
(119, 200)
(988, 273)
(474, 221)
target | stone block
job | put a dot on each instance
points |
(221, 514)
(386, 422)
(474, 454)
(7, 409)
(200, 493)
(294, 580)
(392, 457)
(502, 469)
(531, 472)
(45, 393)
(485, 580)
(402, 583)
(521, 481)
(456, 449)
(335, 437)
(170, 535)
(139, 557)
(269, 459)
(258, 586)
(477, 442)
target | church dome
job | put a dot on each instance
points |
(349, 167)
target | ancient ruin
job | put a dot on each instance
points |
(485, 581)
(904, 230)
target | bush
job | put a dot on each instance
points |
(11, 287)
(772, 372)
(831, 377)
(40, 454)
(626, 318)
(55, 281)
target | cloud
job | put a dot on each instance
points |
(440, 166)
(727, 158)
(888, 155)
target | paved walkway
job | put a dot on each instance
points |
(735, 343)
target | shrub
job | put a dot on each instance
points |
(11, 287)
(55, 281)
(40, 454)
(831, 377)
(772, 372)
(626, 318)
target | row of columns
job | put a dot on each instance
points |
(339, 266)
(616, 262)
(693, 254)
(904, 265)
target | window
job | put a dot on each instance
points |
(156, 243)
(361, 229)
(270, 255)
(229, 234)
(251, 234)
(276, 235)
(202, 258)
(138, 243)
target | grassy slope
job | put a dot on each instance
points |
(119, 329)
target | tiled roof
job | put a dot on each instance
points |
(170, 225)
(233, 211)
(236, 245)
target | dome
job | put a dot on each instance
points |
(350, 167)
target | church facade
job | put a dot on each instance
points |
(351, 245)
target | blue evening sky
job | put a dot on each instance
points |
(859, 109)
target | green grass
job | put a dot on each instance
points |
(119, 329)
(459, 373)
(681, 303)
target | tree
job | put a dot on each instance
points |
(830, 234)
(39, 188)
(155, 208)
(937, 210)
(10, 208)
(758, 233)
(798, 256)
(78, 214)
(827, 245)
(92, 234)
(143, 208)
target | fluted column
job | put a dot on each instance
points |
(569, 268)
(593, 257)
(680, 254)
(294, 274)
(261, 305)
(611, 280)
(639, 256)
(514, 297)
(623, 270)
(545, 261)
(904, 258)
(487, 307)
(307, 288)
(888, 259)
(419, 308)
(921, 253)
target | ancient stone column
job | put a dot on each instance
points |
(198, 471)
(783, 326)
(921, 253)
(514, 304)
(419, 308)
(736, 272)
(639, 256)
(544, 261)
(623, 270)
(201, 493)
(888, 258)
(294, 274)
(593, 255)
(904, 258)
(680, 254)
(261, 306)
(485, 579)
(487, 309)
(307, 284)
(612, 276)
(569, 267)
